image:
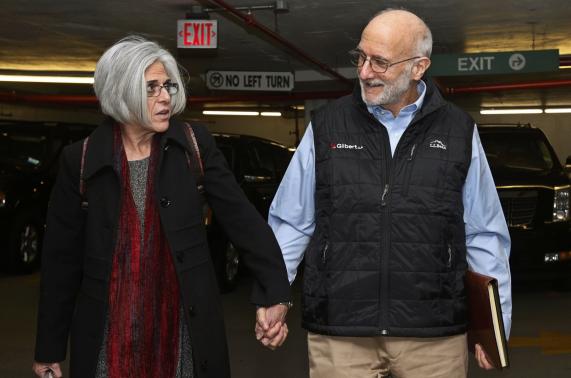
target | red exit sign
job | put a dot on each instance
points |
(197, 34)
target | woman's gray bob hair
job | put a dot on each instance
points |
(120, 82)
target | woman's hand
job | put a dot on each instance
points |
(43, 370)
(271, 329)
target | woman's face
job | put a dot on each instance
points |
(158, 103)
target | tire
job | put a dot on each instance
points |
(25, 244)
(227, 263)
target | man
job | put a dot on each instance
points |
(391, 198)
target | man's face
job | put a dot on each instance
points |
(384, 89)
(387, 87)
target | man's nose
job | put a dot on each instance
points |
(365, 72)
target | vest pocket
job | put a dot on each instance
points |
(408, 172)
(324, 255)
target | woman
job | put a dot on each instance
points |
(126, 268)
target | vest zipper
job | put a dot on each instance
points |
(384, 294)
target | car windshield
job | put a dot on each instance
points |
(22, 151)
(517, 151)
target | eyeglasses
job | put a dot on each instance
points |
(154, 89)
(378, 65)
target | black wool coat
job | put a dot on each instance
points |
(78, 248)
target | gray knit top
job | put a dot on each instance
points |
(138, 174)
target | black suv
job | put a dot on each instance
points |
(534, 193)
(29, 153)
(259, 165)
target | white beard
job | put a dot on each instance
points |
(392, 91)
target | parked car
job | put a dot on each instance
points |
(29, 153)
(534, 192)
(258, 165)
(568, 167)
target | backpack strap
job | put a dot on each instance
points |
(84, 202)
(195, 163)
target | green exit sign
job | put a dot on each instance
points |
(494, 63)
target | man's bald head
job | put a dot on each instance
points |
(404, 28)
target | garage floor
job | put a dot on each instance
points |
(540, 343)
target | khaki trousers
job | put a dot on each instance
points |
(374, 357)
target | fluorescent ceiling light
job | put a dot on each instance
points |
(511, 111)
(271, 114)
(230, 112)
(558, 110)
(47, 79)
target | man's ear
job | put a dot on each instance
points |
(420, 68)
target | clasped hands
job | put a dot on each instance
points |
(271, 329)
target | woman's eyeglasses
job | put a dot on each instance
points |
(154, 89)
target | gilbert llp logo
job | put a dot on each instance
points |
(437, 144)
(343, 146)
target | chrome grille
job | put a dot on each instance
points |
(519, 206)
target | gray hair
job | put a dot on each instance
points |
(424, 42)
(120, 84)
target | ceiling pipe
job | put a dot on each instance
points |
(49, 99)
(92, 100)
(252, 22)
(504, 87)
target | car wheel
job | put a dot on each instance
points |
(226, 263)
(25, 244)
(231, 260)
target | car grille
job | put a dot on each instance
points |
(519, 206)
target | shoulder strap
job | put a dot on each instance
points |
(194, 163)
(84, 203)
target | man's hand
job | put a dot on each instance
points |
(482, 358)
(271, 329)
(43, 370)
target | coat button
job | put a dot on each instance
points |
(204, 365)
(180, 257)
(165, 202)
(191, 311)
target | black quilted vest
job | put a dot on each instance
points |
(388, 255)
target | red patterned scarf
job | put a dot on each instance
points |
(144, 292)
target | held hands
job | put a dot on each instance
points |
(271, 328)
(45, 370)
(482, 358)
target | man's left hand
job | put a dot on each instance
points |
(482, 358)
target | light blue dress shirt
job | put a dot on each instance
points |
(292, 213)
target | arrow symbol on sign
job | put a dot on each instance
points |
(516, 62)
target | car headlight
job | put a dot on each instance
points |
(2, 199)
(561, 204)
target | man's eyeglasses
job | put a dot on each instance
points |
(154, 89)
(377, 64)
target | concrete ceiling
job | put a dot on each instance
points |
(70, 35)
